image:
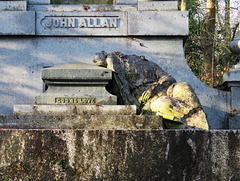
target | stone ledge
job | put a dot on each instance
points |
(77, 72)
(81, 8)
(38, 1)
(126, 1)
(103, 121)
(13, 5)
(158, 6)
(232, 78)
(74, 109)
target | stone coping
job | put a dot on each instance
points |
(231, 78)
(84, 121)
(82, 8)
(140, 6)
(74, 109)
(77, 71)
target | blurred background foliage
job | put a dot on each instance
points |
(213, 24)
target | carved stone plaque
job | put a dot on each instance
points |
(65, 100)
(81, 23)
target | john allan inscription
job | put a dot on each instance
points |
(80, 22)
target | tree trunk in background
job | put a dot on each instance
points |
(227, 33)
(208, 35)
(183, 5)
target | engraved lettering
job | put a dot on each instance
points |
(105, 23)
(66, 101)
(64, 23)
(97, 22)
(58, 100)
(82, 23)
(90, 23)
(113, 23)
(75, 100)
(71, 23)
(47, 22)
(56, 23)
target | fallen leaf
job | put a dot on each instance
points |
(233, 112)
(86, 7)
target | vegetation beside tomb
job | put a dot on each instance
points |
(210, 33)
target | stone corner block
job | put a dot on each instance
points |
(232, 78)
(13, 5)
(17, 23)
(158, 23)
(157, 5)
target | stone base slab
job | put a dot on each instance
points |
(85, 121)
(74, 109)
(119, 155)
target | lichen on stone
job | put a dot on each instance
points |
(141, 82)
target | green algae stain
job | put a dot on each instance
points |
(62, 164)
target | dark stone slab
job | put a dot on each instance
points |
(119, 155)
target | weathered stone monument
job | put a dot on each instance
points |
(38, 34)
(79, 83)
(60, 139)
(76, 97)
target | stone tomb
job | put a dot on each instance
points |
(37, 34)
(78, 83)
(76, 98)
